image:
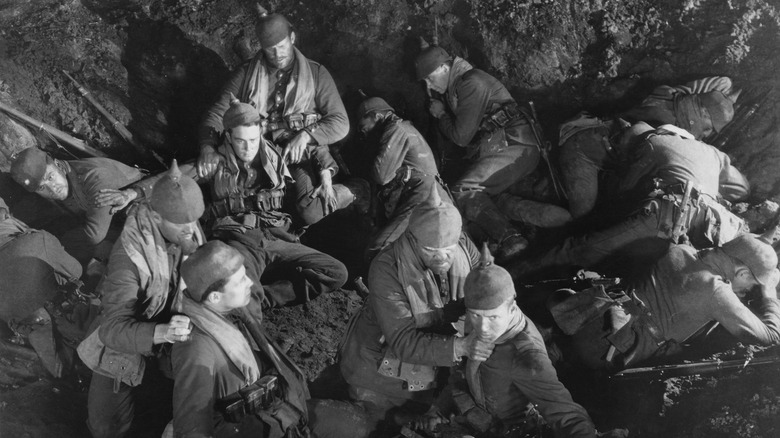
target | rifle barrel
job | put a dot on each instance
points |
(56, 133)
(689, 369)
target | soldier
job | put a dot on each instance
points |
(397, 341)
(230, 379)
(653, 209)
(501, 394)
(701, 107)
(247, 192)
(475, 111)
(404, 168)
(667, 306)
(305, 115)
(138, 291)
(74, 184)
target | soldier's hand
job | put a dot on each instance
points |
(770, 289)
(116, 199)
(457, 276)
(176, 330)
(208, 160)
(4, 214)
(473, 347)
(436, 108)
(295, 150)
(326, 192)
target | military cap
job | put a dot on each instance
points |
(271, 28)
(29, 167)
(754, 253)
(240, 113)
(372, 104)
(429, 59)
(435, 224)
(487, 285)
(176, 197)
(210, 263)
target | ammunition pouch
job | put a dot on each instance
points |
(501, 117)
(251, 400)
(260, 201)
(294, 122)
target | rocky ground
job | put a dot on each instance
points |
(156, 65)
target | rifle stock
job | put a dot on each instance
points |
(54, 132)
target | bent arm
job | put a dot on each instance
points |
(334, 124)
(762, 328)
(462, 124)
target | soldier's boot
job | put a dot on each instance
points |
(477, 207)
(535, 213)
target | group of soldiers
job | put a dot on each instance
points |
(200, 250)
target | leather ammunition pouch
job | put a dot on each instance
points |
(262, 200)
(501, 117)
(251, 400)
(293, 122)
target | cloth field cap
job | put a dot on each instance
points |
(754, 253)
(177, 198)
(372, 104)
(29, 167)
(719, 106)
(271, 28)
(487, 285)
(434, 223)
(210, 263)
(240, 113)
(429, 59)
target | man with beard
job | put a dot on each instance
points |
(305, 115)
(74, 184)
(404, 168)
(139, 291)
(403, 334)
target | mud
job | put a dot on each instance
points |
(157, 65)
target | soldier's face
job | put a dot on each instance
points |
(437, 80)
(236, 293)
(246, 141)
(54, 184)
(438, 260)
(180, 234)
(490, 324)
(367, 123)
(281, 54)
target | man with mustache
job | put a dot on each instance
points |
(305, 115)
(73, 185)
(139, 292)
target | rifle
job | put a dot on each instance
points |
(118, 127)
(690, 369)
(679, 222)
(576, 283)
(544, 149)
(53, 132)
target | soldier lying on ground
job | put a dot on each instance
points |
(639, 225)
(662, 311)
(701, 107)
(404, 168)
(475, 111)
(305, 115)
(503, 395)
(37, 273)
(138, 292)
(247, 190)
(230, 380)
(402, 335)
(73, 184)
